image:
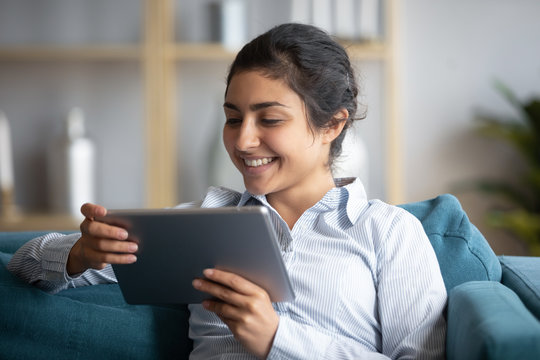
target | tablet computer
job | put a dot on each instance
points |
(176, 245)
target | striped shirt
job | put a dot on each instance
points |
(366, 279)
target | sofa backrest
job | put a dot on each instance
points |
(463, 252)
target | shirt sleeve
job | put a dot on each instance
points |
(411, 293)
(294, 340)
(42, 262)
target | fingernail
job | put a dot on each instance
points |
(208, 272)
(197, 283)
(122, 234)
(133, 247)
(132, 258)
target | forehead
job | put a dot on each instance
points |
(250, 87)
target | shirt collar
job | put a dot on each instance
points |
(357, 199)
(247, 199)
(348, 190)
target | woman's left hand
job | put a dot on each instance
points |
(243, 306)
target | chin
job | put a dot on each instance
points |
(254, 189)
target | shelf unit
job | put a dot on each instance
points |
(40, 222)
(58, 53)
(179, 52)
(159, 53)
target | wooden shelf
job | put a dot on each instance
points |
(367, 50)
(180, 51)
(200, 51)
(215, 51)
(37, 222)
(59, 53)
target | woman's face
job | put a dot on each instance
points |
(268, 137)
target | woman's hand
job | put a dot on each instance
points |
(100, 244)
(243, 306)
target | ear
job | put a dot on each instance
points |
(335, 126)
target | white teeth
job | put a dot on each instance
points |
(258, 162)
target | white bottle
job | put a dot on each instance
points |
(72, 167)
(233, 24)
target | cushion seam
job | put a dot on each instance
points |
(459, 235)
(521, 277)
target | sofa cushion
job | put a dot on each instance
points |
(487, 320)
(91, 322)
(11, 241)
(522, 274)
(463, 252)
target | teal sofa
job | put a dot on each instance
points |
(493, 307)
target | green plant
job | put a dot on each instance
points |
(522, 216)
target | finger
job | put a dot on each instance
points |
(90, 211)
(219, 291)
(114, 246)
(233, 281)
(98, 258)
(223, 310)
(102, 230)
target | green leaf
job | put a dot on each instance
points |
(533, 181)
(495, 188)
(509, 95)
(523, 224)
(532, 110)
(515, 134)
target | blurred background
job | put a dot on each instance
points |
(147, 78)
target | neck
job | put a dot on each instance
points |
(293, 203)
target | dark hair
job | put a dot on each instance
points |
(313, 65)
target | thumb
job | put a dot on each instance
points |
(90, 211)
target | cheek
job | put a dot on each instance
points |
(228, 140)
(291, 143)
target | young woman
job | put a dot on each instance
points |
(367, 281)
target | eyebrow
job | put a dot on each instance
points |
(255, 107)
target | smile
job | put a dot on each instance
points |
(258, 162)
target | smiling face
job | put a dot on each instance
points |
(269, 140)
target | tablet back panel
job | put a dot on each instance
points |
(176, 245)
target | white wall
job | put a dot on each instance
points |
(451, 53)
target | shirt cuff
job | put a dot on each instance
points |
(55, 257)
(294, 341)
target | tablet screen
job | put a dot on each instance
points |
(176, 245)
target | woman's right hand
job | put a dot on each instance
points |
(100, 244)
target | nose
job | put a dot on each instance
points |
(248, 136)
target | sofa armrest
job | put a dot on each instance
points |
(91, 322)
(522, 275)
(10, 242)
(487, 320)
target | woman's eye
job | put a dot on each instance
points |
(233, 121)
(270, 121)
